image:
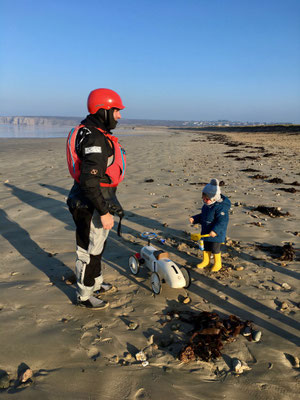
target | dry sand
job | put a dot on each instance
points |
(75, 353)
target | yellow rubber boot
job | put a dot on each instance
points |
(217, 263)
(206, 260)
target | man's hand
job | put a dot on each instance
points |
(107, 221)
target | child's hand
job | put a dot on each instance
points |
(191, 220)
(212, 234)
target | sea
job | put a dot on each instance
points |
(33, 131)
(40, 131)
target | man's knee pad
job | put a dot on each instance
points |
(80, 268)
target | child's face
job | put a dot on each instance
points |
(206, 199)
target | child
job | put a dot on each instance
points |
(214, 220)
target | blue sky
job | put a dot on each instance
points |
(168, 59)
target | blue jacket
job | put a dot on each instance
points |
(214, 218)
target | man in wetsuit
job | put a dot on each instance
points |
(97, 163)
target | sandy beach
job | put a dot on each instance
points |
(75, 353)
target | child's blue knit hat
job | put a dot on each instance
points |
(212, 190)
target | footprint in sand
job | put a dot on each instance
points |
(87, 341)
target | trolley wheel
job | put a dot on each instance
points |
(134, 264)
(155, 283)
(187, 276)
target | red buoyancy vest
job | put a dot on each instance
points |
(115, 171)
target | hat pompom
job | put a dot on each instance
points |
(214, 182)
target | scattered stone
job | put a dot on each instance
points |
(145, 363)
(286, 286)
(115, 359)
(270, 365)
(256, 336)
(284, 306)
(149, 180)
(25, 375)
(239, 268)
(141, 356)
(133, 326)
(154, 205)
(186, 300)
(236, 364)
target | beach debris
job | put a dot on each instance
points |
(210, 333)
(284, 306)
(184, 299)
(288, 252)
(283, 253)
(141, 356)
(145, 363)
(286, 286)
(258, 176)
(25, 374)
(133, 326)
(289, 190)
(275, 180)
(239, 366)
(271, 211)
(149, 180)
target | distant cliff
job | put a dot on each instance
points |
(45, 121)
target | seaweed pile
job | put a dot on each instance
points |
(288, 252)
(210, 333)
(272, 211)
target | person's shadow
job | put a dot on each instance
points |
(20, 239)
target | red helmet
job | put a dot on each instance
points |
(103, 98)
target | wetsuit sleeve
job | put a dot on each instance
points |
(93, 149)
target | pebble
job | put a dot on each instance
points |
(256, 336)
(247, 331)
(141, 356)
(239, 268)
(286, 286)
(186, 300)
(132, 326)
(145, 363)
(284, 306)
(236, 364)
(26, 375)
